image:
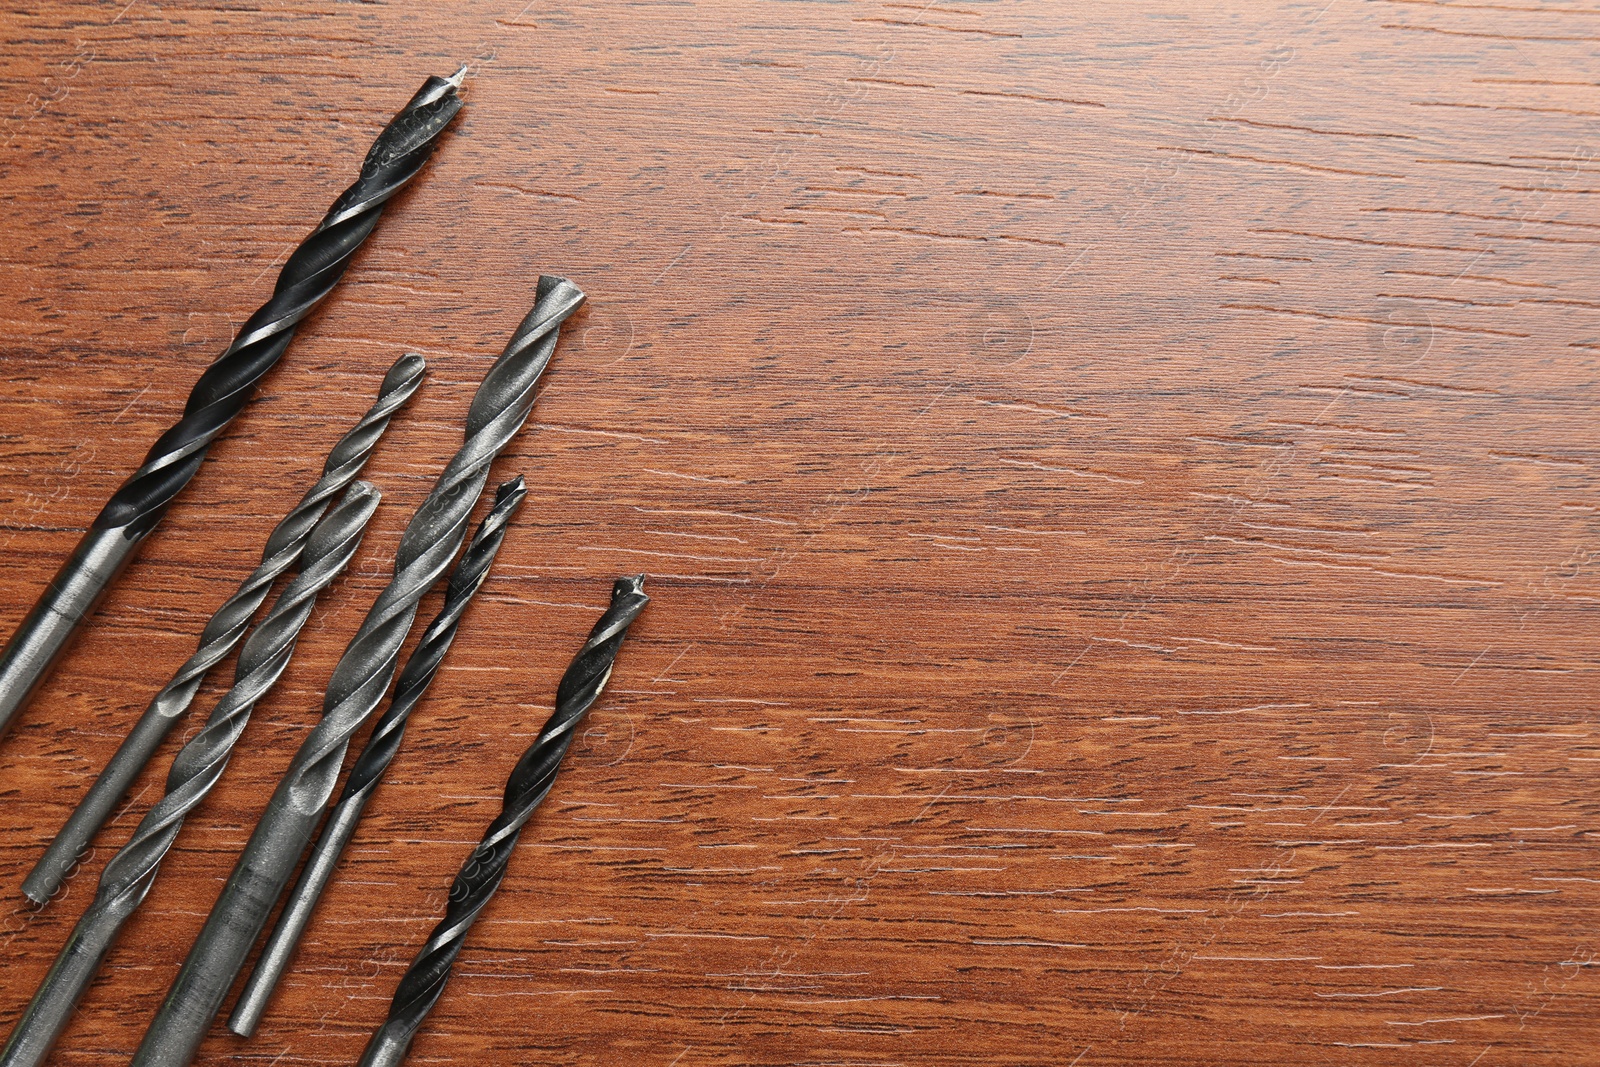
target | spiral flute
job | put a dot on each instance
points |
(527, 787)
(498, 411)
(227, 626)
(380, 750)
(221, 393)
(198, 766)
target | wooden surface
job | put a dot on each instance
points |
(1117, 480)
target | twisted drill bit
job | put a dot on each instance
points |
(381, 747)
(199, 764)
(498, 410)
(227, 626)
(221, 393)
(527, 787)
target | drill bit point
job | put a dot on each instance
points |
(407, 370)
(362, 490)
(506, 488)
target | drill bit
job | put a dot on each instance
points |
(227, 626)
(498, 411)
(221, 393)
(528, 785)
(381, 747)
(197, 767)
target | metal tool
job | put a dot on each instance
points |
(498, 411)
(198, 766)
(221, 633)
(221, 393)
(381, 748)
(527, 787)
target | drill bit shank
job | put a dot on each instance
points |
(526, 789)
(198, 766)
(221, 394)
(380, 750)
(221, 633)
(498, 411)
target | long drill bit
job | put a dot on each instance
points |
(380, 750)
(221, 393)
(527, 787)
(227, 626)
(498, 411)
(197, 767)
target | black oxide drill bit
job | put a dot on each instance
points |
(527, 787)
(227, 626)
(380, 750)
(197, 767)
(261, 873)
(221, 393)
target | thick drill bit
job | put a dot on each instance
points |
(527, 787)
(380, 750)
(221, 393)
(227, 626)
(498, 411)
(197, 767)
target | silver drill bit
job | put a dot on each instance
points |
(380, 750)
(197, 767)
(259, 877)
(227, 626)
(221, 393)
(527, 787)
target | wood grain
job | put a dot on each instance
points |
(1118, 482)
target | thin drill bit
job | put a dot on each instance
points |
(227, 626)
(380, 750)
(259, 877)
(530, 781)
(197, 767)
(221, 393)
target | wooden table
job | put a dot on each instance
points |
(1117, 483)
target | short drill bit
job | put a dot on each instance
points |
(380, 750)
(498, 411)
(221, 393)
(197, 767)
(527, 787)
(227, 626)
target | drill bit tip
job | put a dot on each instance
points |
(406, 370)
